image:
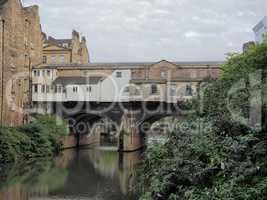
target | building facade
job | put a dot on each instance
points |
(118, 82)
(20, 50)
(260, 30)
(64, 51)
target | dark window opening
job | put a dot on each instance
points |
(35, 88)
(154, 89)
(189, 91)
(118, 74)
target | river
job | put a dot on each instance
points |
(86, 174)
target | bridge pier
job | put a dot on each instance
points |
(130, 138)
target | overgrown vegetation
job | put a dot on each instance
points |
(37, 139)
(220, 153)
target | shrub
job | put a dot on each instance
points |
(228, 159)
(37, 139)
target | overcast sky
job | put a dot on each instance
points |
(152, 30)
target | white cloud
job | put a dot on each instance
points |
(147, 30)
(191, 34)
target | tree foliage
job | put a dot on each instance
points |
(216, 155)
(37, 139)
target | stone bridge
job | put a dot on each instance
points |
(131, 95)
(130, 121)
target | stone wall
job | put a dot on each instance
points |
(20, 49)
(79, 51)
(174, 72)
(65, 51)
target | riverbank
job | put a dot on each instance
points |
(39, 138)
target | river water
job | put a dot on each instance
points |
(87, 174)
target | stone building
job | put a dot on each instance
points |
(65, 51)
(20, 50)
(118, 82)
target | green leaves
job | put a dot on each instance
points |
(37, 139)
(226, 161)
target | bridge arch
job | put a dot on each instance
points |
(91, 129)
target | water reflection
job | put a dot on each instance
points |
(85, 174)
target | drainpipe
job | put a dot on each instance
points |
(2, 71)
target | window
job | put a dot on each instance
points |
(163, 75)
(47, 89)
(62, 58)
(36, 73)
(43, 73)
(48, 72)
(89, 89)
(172, 90)
(75, 89)
(118, 74)
(188, 90)
(154, 89)
(44, 59)
(35, 88)
(53, 59)
(126, 90)
(43, 88)
(59, 89)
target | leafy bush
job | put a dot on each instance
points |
(37, 139)
(204, 165)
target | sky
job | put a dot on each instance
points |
(153, 30)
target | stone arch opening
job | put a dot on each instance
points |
(109, 132)
(93, 129)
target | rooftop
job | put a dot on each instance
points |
(77, 80)
(132, 65)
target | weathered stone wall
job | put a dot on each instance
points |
(173, 71)
(79, 51)
(54, 56)
(56, 51)
(21, 48)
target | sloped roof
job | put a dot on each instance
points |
(132, 65)
(78, 80)
(58, 42)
